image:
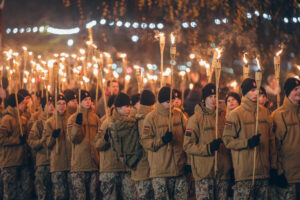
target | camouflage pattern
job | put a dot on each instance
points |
(288, 193)
(144, 189)
(170, 188)
(243, 190)
(117, 185)
(17, 183)
(43, 184)
(212, 189)
(85, 185)
(62, 185)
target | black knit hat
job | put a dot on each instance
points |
(84, 94)
(235, 95)
(209, 89)
(177, 93)
(70, 95)
(122, 100)
(44, 100)
(11, 100)
(290, 84)
(135, 99)
(262, 90)
(61, 97)
(147, 98)
(111, 100)
(247, 85)
(24, 93)
(164, 94)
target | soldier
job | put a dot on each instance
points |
(114, 177)
(165, 149)
(71, 99)
(232, 101)
(37, 141)
(112, 89)
(201, 144)
(82, 129)
(143, 183)
(60, 151)
(239, 136)
(135, 102)
(13, 160)
(286, 126)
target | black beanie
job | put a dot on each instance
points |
(122, 100)
(111, 100)
(24, 93)
(247, 85)
(70, 95)
(61, 97)
(290, 84)
(177, 93)
(164, 94)
(11, 101)
(135, 99)
(262, 90)
(234, 95)
(44, 100)
(208, 90)
(84, 94)
(147, 98)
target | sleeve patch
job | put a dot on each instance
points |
(3, 128)
(188, 132)
(70, 125)
(100, 131)
(228, 123)
(146, 128)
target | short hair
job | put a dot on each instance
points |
(114, 81)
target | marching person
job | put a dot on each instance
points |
(135, 104)
(201, 144)
(60, 151)
(286, 126)
(82, 129)
(232, 101)
(71, 99)
(112, 89)
(239, 136)
(165, 149)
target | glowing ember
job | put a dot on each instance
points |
(279, 52)
(245, 59)
(172, 38)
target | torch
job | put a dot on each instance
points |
(245, 67)
(277, 74)
(56, 84)
(138, 76)
(102, 85)
(162, 41)
(182, 74)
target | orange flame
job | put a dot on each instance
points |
(279, 52)
(245, 59)
(219, 52)
(258, 64)
(172, 38)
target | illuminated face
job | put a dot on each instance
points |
(294, 96)
(114, 87)
(23, 105)
(61, 106)
(232, 103)
(73, 103)
(166, 104)
(252, 95)
(49, 108)
(177, 102)
(124, 110)
(210, 102)
(86, 103)
(262, 99)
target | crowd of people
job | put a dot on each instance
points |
(68, 146)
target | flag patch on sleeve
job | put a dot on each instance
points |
(228, 123)
(188, 132)
(100, 131)
(146, 128)
(70, 125)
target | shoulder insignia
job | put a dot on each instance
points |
(188, 132)
(228, 123)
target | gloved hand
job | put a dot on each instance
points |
(22, 139)
(79, 119)
(282, 182)
(106, 136)
(273, 177)
(167, 137)
(254, 141)
(55, 133)
(215, 145)
(187, 169)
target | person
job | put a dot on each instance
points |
(193, 98)
(272, 90)
(286, 126)
(232, 101)
(263, 99)
(36, 140)
(177, 101)
(115, 182)
(82, 129)
(112, 89)
(135, 102)
(60, 150)
(141, 174)
(165, 149)
(14, 151)
(212, 180)
(71, 99)
(240, 136)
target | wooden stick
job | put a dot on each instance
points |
(18, 113)
(55, 76)
(162, 47)
(277, 75)
(102, 86)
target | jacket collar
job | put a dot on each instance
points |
(116, 116)
(71, 110)
(44, 116)
(84, 111)
(201, 108)
(12, 111)
(290, 106)
(248, 104)
(162, 110)
(143, 111)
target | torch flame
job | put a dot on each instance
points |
(258, 64)
(279, 52)
(172, 38)
(245, 59)
(219, 52)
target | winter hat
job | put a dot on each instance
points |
(11, 101)
(84, 94)
(44, 100)
(262, 90)
(235, 95)
(177, 93)
(70, 95)
(122, 100)
(247, 85)
(61, 97)
(135, 99)
(24, 93)
(290, 84)
(111, 100)
(164, 94)
(209, 89)
(147, 98)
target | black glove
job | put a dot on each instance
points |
(282, 182)
(167, 137)
(215, 145)
(55, 133)
(254, 141)
(79, 119)
(273, 177)
(106, 136)
(22, 139)
(187, 169)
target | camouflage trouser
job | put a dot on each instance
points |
(61, 185)
(243, 190)
(85, 185)
(112, 182)
(170, 188)
(210, 189)
(17, 183)
(277, 193)
(43, 182)
(144, 189)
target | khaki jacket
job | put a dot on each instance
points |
(200, 132)
(12, 153)
(59, 160)
(86, 157)
(240, 126)
(164, 160)
(109, 161)
(37, 141)
(286, 128)
(142, 171)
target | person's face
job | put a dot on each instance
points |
(166, 104)
(93, 107)
(273, 83)
(210, 102)
(114, 87)
(22, 106)
(61, 106)
(137, 105)
(86, 103)
(294, 96)
(177, 102)
(73, 103)
(124, 110)
(49, 108)
(232, 103)
(262, 99)
(252, 95)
